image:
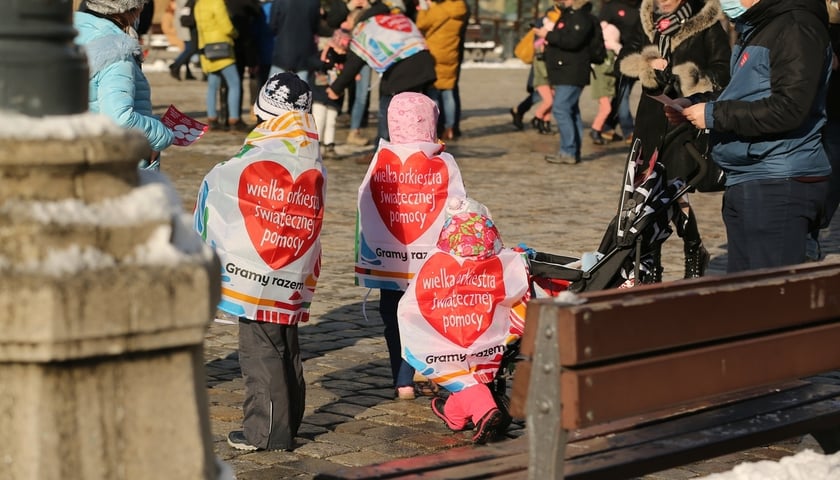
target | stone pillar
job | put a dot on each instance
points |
(105, 291)
(105, 297)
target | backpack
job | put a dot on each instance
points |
(597, 50)
(187, 18)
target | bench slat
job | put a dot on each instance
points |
(720, 439)
(589, 395)
(707, 418)
(579, 436)
(657, 319)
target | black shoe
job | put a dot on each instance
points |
(517, 119)
(239, 127)
(175, 71)
(328, 152)
(488, 427)
(612, 136)
(596, 137)
(189, 75)
(545, 127)
(236, 439)
(696, 260)
(537, 124)
(216, 125)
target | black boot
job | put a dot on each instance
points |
(596, 137)
(537, 124)
(175, 71)
(545, 127)
(696, 260)
(517, 119)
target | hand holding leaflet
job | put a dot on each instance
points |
(186, 129)
(667, 101)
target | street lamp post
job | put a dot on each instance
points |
(41, 71)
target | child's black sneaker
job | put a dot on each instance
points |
(236, 439)
(487, 428)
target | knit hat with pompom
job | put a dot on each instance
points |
(283, 92)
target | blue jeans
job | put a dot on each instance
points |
(566, 111)
(625, 118)
(190, 49)
(767, 221)
(302, 74)
(358, 110)
(214, 82)
(831, 143)
(400, 369)
(445, 100)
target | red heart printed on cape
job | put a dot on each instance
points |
(282, 215)
(400, 23)
(458, 300)
(409, 196)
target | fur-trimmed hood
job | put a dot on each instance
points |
(104, 42)
(692, 78)
(701, 20)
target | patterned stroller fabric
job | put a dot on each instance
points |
(648, 205)
(629, 252)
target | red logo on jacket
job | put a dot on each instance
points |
(744, 57)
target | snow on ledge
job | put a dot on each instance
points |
(56, 127)
(144, 204)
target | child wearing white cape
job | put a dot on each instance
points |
(465, 305)
(262, 211)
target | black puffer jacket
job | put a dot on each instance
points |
(567, 48)
(698, 63)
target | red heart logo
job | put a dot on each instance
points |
(400, 23)
(282, 215)
(458, 300)
(409, 196)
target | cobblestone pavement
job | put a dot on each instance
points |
(351, 417)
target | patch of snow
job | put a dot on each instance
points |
(147, 203)
(72, 259)
(14, 125)
(805, 465)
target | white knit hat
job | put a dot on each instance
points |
(108, 7)
(283, 92)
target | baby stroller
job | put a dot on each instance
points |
(629, 253)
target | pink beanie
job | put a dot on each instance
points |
(412, 117)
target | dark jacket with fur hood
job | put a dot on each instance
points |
(567, 46)
(699, 63)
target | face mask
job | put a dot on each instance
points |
(732, 8)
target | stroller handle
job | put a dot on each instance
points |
(702, 160)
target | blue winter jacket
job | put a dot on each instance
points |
(767, 122)
(117, 85)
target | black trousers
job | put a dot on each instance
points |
(275, 393)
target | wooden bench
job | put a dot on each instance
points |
(630, 382)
